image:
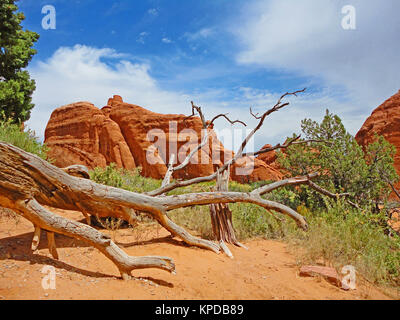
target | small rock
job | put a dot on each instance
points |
(327, 272)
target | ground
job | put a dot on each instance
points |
(268, 270)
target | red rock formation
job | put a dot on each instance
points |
(268, 157)
(171, 133)
(385, 121)
(263, 167)
(253, 169)
(394, 221)
(80, 133)
(130, 135)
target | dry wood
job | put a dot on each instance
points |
(27, 182)
(168, 175)
(221, 217)
(36, 238)
(52, 244)
(239, 154)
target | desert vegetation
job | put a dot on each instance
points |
(333, 205)
(340, 231)
(338, 234)
(347, 212)
(350, 230)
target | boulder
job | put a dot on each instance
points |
(250, 169)
(330, 274)
(268, 157)
(80, 133)
(152, 137)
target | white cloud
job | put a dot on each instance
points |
(142, 36)
(201, 34)
(306, 37)
(166, 40)
(84, 73)
(153, 12)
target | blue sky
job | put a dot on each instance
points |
(226, 55)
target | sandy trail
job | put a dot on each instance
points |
(266, 271)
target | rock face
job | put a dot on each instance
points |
(132, 136)
(385, 121)
(80, 133)
(263, 167)
(152, 137)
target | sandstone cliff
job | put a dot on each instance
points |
(132, 136)
(385, 121)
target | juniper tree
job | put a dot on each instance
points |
(16, 51)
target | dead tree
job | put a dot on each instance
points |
(221, 215)
(28, 183)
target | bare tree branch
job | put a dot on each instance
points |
(286, 145)
(390, 183)
(200, 113)
(283, 183)
(332, 195)
(207, 124)
(229, 120)
(256, 116)
(326, 192)
(192, 153)
(238, 154)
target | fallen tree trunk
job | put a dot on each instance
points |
(28, 182)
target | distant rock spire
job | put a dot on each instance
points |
(114, 100)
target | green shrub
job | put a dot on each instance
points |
(343, 164)
(130, 180)
(26, 140)
(342, 236)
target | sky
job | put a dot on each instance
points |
(225, 55)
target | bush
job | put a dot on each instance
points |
(344, 166)
(124, 179)
(342, 236)
(26, 140)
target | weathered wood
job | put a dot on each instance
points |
(28, 182)
(36, 238)
(221, 217)
(33, 211)
(52, 244)
(170, 171)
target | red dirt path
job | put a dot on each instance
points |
(266, 271)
